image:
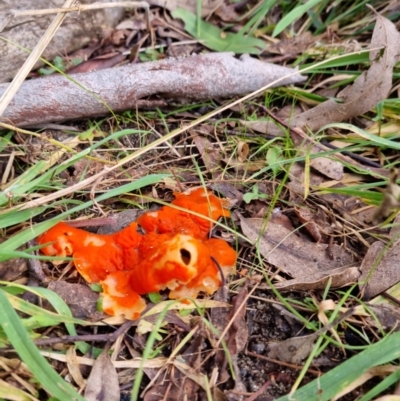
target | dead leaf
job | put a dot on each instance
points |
(227, 12)
(340, 277)
(295, 45)
(97, 64)
(295, 349)
(327, 166)
(74, 368)
(12, 269)
(228, 191)
(238, 333)
(297, 179)
(209, 154)
(243, 151)
(287, 251)
(367, 90)
(308, 218)
(80, 298)
(391, 199)
(365, 93)
(181, 383)
(248, 166)
(379, 269)
(388, 316)
(86, 52)
(121, 220)
(102, 384)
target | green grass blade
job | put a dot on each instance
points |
(63, 309)
(216, 39)
(295, 14)
(333, 382)
(23, 237)
(14, 218)
(382, 386)
(374, 139)
(24, 182)
(26, 349)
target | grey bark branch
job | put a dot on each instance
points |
(198, 77)
(24, 31)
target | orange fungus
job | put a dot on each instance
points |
(174, 253)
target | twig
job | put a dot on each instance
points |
(87, 337)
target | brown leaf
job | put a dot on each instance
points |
(331, 168)
(296, 45)
(229, 191)
(291, 253)
(80, 298)
(97, 64)
(380, 269)
(390, 200)
(367, 90)
(294, 350)
(387, 315)
(180, 384)
(102, 384)
(12, 268)
(209, 154)
(238, 333)
(243, 151)
(227, 12)
(340, 277)
(308, 218)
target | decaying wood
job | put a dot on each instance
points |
(24, 31)
(198, 77)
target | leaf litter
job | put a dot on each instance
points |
(311, 243)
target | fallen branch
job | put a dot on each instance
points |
(198, 77)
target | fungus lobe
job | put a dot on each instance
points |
(174, 253)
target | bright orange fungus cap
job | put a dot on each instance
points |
(174, 253)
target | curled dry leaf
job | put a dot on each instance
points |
(368, 89)
(366, 92)
(74, 368)
(213, 75)
(102, 384)
(311, 224)
(243, 151)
